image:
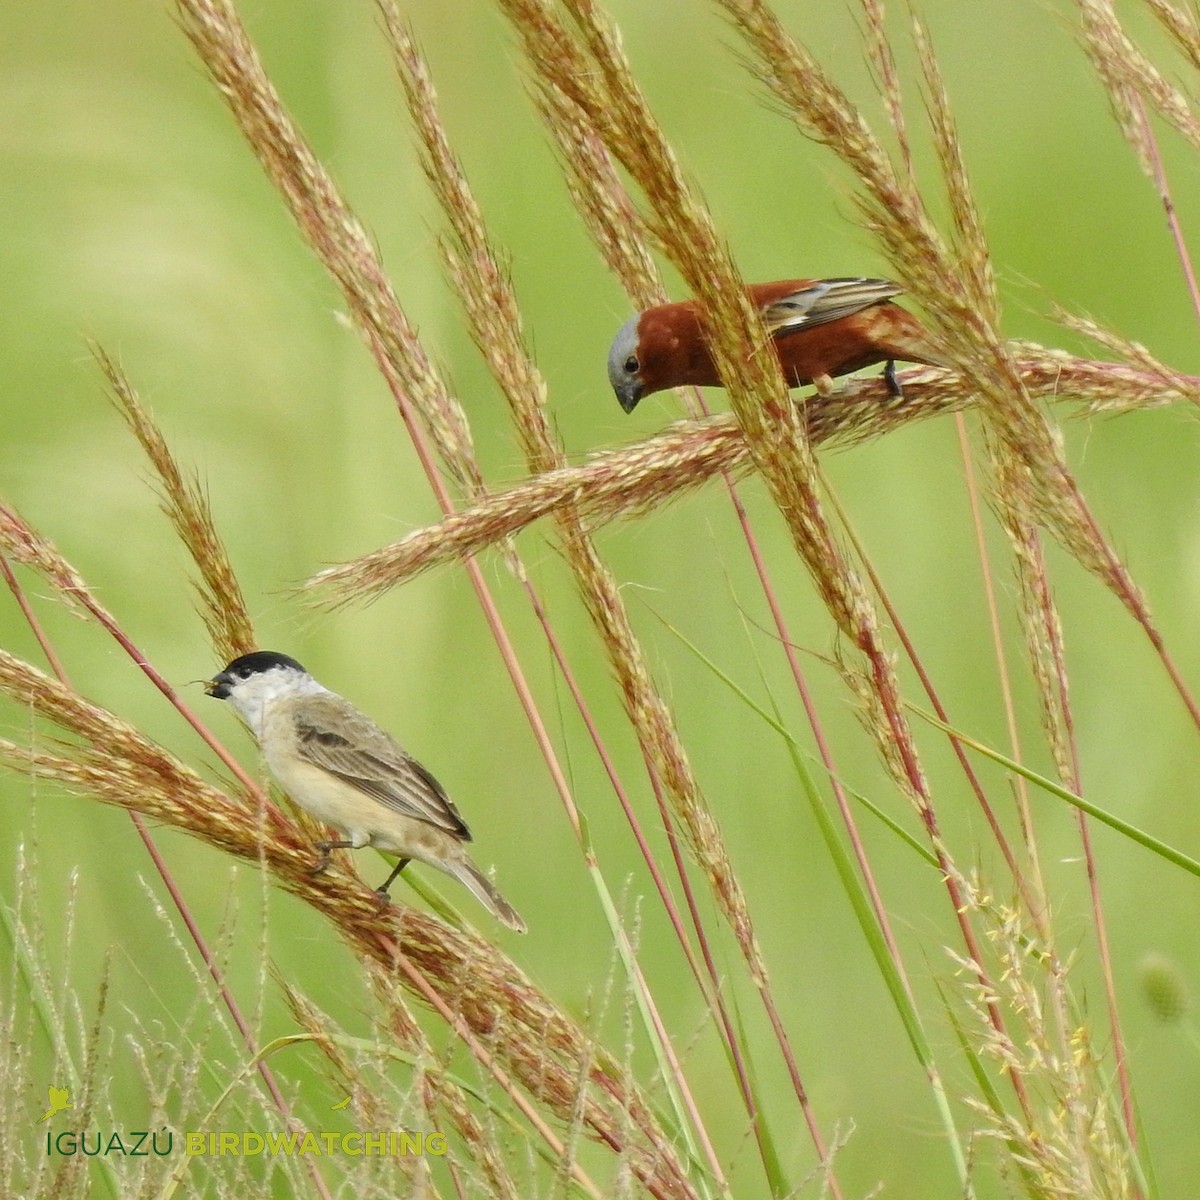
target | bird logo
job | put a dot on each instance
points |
(341, 1103)
(59, 1102)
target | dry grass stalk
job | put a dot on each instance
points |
(222, 606)
(1183, 26)
(1127, 73)
(1141, 364)
(952, 282)
(495, 322)
(594, 73)
(1077, 1147)
(640, 478)
(331, 228)
(772, 427)
(339, 240)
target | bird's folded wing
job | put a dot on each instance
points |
(824, 301)
(370, 760)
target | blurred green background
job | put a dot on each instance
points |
(133, 214)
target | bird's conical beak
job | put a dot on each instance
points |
(628, 395)
(218, 686)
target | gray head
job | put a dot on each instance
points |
(624, 367)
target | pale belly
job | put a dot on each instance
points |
(364, 820)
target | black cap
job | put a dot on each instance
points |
(245, 666)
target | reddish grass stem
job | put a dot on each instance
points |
(512, 664)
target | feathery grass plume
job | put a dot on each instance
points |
(599, 196)
(640, 478)
(495, 322)
(331, 228)
(1077, 1147)
(952, 283)
(1141, 363)
(185, 503)
(21, 542)
(227, 617)
(482, 283)
(119, 765)
(1183, 27)
(1122, 69)
(30, 548)
(738, 342)
(1128, 74)
(611, 484)
(1133, 85)
(362, 1069)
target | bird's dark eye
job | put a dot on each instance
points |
(631, 365)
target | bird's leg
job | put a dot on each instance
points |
(382, 889)
(325, 849)
(889, 377)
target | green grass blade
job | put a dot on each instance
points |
(1151, 843)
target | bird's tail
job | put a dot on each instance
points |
(484, 890)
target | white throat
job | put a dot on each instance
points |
(251, 698)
